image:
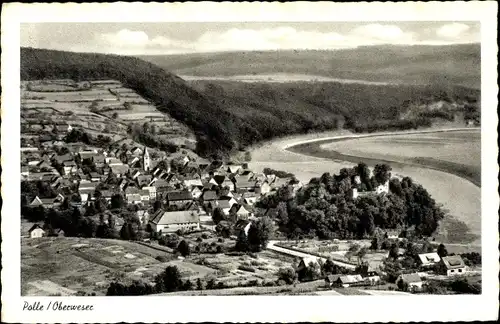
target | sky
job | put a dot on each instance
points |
(197, 37)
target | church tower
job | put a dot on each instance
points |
(146, 162)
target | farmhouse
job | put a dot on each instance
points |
(168, 222)
(452, 265)
(412, 280)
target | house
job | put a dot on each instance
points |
(240, 211)
(452, 265)
(372, 277)
(62, 158)
(151, 190)
(95, 177)
(143, 180)
(144, 194)
(209, 196)
(233, 168)
(99, 160)
(134, 199)
(331, 280)
(350, 280)
(429, 260)
(307, 261)
(250, 199)
(36, 231)
(119, 169)
(243, 184)
(263, 188)
(169, 222)
(69, 167)
(196, 192)
(192, 183)
(225, 205)
(178, 198)
(47, 202)
(412, 280)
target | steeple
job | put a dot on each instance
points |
(145, 160)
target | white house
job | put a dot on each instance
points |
(169, 222)
(428, 260)
(452, 266)
(36, 231)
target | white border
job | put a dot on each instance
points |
(248, 308)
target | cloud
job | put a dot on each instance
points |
(453, 30)
(133, 42)
(378, 32)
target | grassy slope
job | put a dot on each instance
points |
(453, 64)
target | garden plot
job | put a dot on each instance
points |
(85, 264)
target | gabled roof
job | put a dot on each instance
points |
(179, 195)
(224, 204)
(411, 278)
(162, 217)
(34, 227)
(209, 195)
(429, 258)
(349, 279)
(453, 262)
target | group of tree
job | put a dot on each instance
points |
(80, 136)
(325, 207)
(170, 280)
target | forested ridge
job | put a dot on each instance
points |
(228, 116)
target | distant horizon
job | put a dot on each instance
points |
(264, 51)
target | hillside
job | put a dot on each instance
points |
(213, 126)
(451, 64)
(227, 116)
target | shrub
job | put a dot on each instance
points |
(287, 275)
(204, 236)
(246, 268)
(161, 258)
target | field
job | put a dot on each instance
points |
(460, 197)
(106, 108)
(59, 265)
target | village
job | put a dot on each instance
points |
(193, 213)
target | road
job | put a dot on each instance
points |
(271, 246)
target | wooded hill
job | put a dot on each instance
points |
(417, 64)
(228, 116)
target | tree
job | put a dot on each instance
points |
(188, 285)
(442, 251)
(117, 201)
(125, 232)
(394, 252)
(114, 115)
(260, 233)
(224, 229)
(169, 280)
(288, 275)
(184, 248)
(218, 215)
(199, 284)
(382, 173)
(361, 254)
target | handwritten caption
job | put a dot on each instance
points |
(56, 306)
